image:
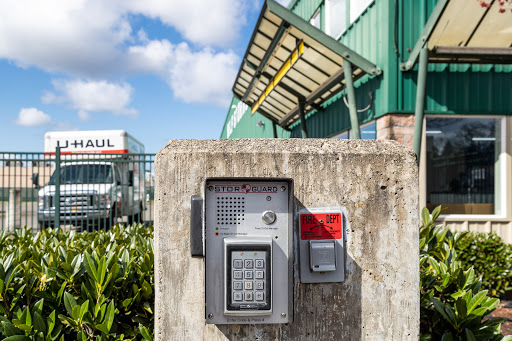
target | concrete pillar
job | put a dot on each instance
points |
(13, 209)
(376, 182)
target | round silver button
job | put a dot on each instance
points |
(268, 217)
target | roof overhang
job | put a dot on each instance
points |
(290, 61)
(462, 31)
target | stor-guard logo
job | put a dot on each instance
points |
(246, 188)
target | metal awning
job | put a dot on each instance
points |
(458, 31)
(462, 31)
(289, 65)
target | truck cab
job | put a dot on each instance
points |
(93, 190)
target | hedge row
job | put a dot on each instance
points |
(58, 285)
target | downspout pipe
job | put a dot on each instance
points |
(351, 94)
(420, 101)
(302, 115)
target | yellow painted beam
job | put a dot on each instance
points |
(287, 65)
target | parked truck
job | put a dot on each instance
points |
(100, 179)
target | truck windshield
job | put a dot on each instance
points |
(84, 174)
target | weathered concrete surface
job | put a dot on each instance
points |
(376, 182)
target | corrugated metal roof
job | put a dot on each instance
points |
(287, 61)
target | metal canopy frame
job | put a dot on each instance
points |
(290, 68)
(457, 31)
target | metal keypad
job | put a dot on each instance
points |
(248, 276)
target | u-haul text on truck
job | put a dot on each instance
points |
(99, 179)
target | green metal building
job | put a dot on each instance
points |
(435, 75)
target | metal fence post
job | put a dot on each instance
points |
(57, 187)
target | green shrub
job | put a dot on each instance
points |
(491, 258)
(58, 285)
(452, 304)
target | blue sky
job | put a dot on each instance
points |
(159, 69)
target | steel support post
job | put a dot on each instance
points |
(351, 94)
(302, 116)
(420, 100)
(56, 202)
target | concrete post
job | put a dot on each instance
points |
(13, 209)
(377, 184)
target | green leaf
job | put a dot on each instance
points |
(83, 309)
(102, 328)
(109, 316)
(10, 329)
(425, 215)
(440, 308)
(69, 303)
(476, 300)
(447, 336)
(51, 322)
(90, 267)
(469, 335)
(39, 323)
(17, 338)
(436, 212)
(145, 333)
(462, 310)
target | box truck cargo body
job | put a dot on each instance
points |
(100, 179)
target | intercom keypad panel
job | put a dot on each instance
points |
(249, 279)
(248, 250)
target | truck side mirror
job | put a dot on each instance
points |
(35, 180)
(130, 178)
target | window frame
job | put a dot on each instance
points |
(361, 126)
(503, 164)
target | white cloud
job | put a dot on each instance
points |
(31, 117)
(89, 38)
(96, 96)
(204, 76)
(209, 23)
(84, 115)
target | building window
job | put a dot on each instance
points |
(358, 7)
(368, 132)
(463, 164)
(335, 17)
(315, 20)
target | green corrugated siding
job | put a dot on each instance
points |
(460, 89)
(457, 88)
(335, 119)
(247, 126)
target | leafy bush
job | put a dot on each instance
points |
(491, 258)
(452, 304)
(57, 285)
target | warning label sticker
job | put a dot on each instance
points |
(320, 226)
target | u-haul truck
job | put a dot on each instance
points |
(100, 179)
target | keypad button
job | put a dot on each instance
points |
(248, 285)
(238, 263)
(237, 274)
(237, 285)
(248, 296)
(260, 263)
(248, 274)
(259, 274)
(260, 296)
(248, 263)
(260, 285)
(237, 296)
